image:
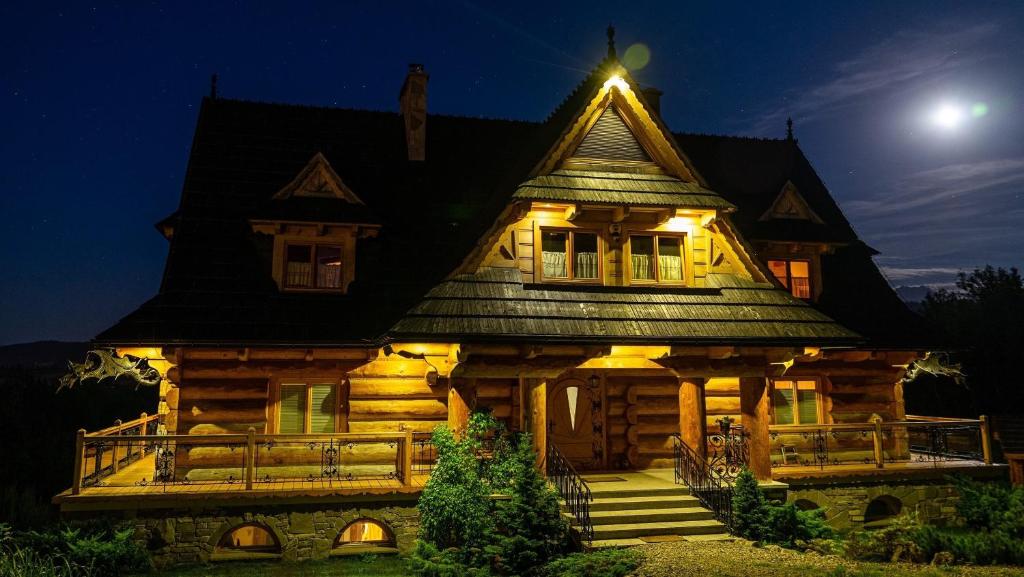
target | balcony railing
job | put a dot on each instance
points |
(132, 456)
(916, 439)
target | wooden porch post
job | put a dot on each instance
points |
(538, 419)
(76, 481)
(986, 440)
(458, 407)
(692, 414)
(250, 457)
(754, 410)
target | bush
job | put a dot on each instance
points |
(757, 519)
(454, 507)
(898, 541)
(531, 530)
(92, 548)
(604, 563)
(991, 506)
(466, 533)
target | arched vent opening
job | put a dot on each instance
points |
(806, 505)
(882, 509)
(363, 534)
(249, 538)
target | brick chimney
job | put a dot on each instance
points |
(413, 103)
(653, 97)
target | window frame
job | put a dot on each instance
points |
(684, 253)
(788, 283)
(340, 403)
(570, 261)
(819, 400)
(314, 251)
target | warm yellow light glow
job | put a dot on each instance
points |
(617, 82)
(679, 224)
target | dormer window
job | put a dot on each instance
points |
(794, 275)
(313, 266)
(570, 255)
(657, 258)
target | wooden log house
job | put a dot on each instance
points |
(596, 279)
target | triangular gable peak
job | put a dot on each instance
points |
(790, 204)
(616, 131)
(318, 180)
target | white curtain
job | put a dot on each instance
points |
(643, 267)
(299, 273)
(328, 276)
(554, 264)
(586, 265)
(671, 267)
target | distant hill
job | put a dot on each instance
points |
(913, 295)
(43, 354)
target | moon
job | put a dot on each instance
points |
(948, 116)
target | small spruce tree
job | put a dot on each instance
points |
(749, 507)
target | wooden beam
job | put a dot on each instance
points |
(754, 410)
(692, 418)
(572, 212)
(620, 213)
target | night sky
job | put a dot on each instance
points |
(913, 114)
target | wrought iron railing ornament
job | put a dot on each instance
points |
(573, 489)
(708, 487)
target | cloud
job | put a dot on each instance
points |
(905, 275)
(907, 57)
(954, 188)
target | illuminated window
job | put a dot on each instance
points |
(557, 245)
(795, 402)
(365, 532)
(657, 258)
(795, 275)
(313, 266)
(250, 539)
(307, 408)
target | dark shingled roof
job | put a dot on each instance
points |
(493, 304)
(619, 188)
(217, 287)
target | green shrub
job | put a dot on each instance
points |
(898, 541)
(758, 519)
(749, 507)
(23, 562)
(531, 529)
(92, 547)
(454, 507)
(429, 561)
(991, 506)
(603, 563)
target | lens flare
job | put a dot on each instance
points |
(637, 56)
(979, 109)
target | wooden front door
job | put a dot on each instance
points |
(571, 407)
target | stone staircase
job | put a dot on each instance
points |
(646, 507)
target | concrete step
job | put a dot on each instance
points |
(636, 530)
(649, 516)
(648, 502)
(618, 492)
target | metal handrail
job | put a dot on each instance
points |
(695, 472)
(572, 488)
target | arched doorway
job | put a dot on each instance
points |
(573, 408)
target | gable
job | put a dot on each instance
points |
(789, 204)
(611, 139)
(318, 180)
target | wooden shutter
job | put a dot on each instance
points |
(292, 411)
(782, 399)
(321, 418)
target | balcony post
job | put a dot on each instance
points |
(115, 463)
(407, 459)
(754, 406)
(692, 415)
(76, 481)
(250, 457)
(876, 437)
(986, 440)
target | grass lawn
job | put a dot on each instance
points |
(365, 565)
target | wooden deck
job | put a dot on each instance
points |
(914, 469)
(131, 488)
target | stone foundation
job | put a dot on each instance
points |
(846, 505)
(303, 531)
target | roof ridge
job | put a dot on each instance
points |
(256, 102)
(729, 136)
